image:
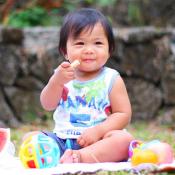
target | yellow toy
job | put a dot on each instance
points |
(144, 156)
(155, 152)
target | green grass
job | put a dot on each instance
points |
(140, 130)
(149, 131)
(18, 133)
(145, 131)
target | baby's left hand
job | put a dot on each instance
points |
(89, 136)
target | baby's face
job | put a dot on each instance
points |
(91, 48)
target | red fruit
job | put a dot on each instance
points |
(3, 138)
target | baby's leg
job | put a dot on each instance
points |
(113, 147)
(70, 156)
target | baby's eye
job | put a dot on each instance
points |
(79, 43)
(98, 43)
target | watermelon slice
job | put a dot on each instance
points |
(4, 139)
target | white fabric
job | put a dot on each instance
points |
(10, 165)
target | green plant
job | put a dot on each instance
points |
(30, 17)
(134, 13)
(101, 3)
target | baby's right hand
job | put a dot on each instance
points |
(64, 73)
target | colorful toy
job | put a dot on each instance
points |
(164, 152)
(151, 152)
(39, 151)
(144, 156)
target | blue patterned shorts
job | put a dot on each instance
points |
(63, 144)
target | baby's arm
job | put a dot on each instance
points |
(52, 92)
(121, 108)
(120, 117)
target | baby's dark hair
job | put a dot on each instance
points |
(75, 22)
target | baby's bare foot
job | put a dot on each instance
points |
(70, 156)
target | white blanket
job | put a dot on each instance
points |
(10, 165)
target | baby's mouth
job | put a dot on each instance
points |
(88, 60)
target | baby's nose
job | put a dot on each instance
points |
(89, 49)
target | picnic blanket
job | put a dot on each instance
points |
(10, 165)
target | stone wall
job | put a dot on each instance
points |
(144, 56)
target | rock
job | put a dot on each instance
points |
(36, 38)
(9, 65)
(144, 60)
(26, 104)
(12, 36)
(144, 57)
(7, 116)
(140, 34)
(43, 66)
(3, 125)
(168, 81)
(30, 83)
(145, 99)
(167, 117)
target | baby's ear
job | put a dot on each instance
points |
(65, 56)
(63, 52)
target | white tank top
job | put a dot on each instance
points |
(84, 104)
